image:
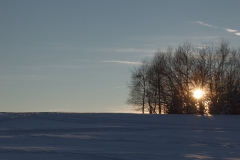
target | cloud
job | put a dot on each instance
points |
(65, 67)
(50, 67)
(113, 61)
(205, 24)
(111, 88)
(231, 30)
(17, 78)
(123, 62)
(81, 60)
(126, 50)
(236, 32)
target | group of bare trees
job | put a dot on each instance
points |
(165, 84)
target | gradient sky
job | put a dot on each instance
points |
(76, 55)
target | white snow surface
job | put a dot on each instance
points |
(60, 136)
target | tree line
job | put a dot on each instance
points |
(166, 82)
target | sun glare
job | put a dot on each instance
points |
(198, 93)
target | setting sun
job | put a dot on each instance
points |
(198, 93)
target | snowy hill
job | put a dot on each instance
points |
(59, 136)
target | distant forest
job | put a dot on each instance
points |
(166, 82)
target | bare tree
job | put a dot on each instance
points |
(138, 87)
(157, 78)
(166, 85)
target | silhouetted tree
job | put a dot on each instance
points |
(138, 87)
(166, 84)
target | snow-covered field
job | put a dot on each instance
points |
(57, 136)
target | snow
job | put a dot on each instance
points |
(59, 136)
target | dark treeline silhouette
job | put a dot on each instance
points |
(165, 83)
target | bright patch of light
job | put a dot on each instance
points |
(198, 93)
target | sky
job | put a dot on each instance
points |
(76, 55)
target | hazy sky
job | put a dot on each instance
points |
(76, 55)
